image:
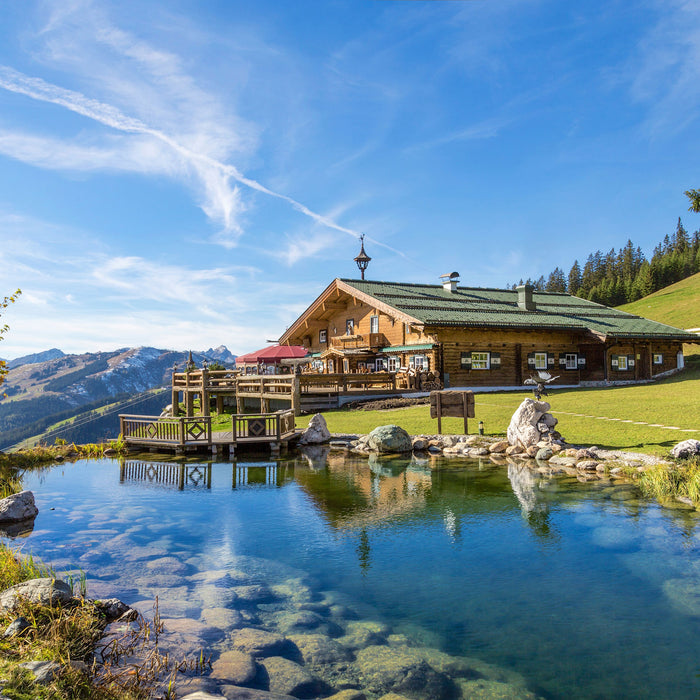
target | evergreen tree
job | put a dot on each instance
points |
(556, 281)
(574, 284)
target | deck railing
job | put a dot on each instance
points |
(166, 431)
(261, 427)
(207, 378)
(347, 382)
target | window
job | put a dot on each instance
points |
(323, 336)
(540, 360)
(374, 324)
(350, 326)
(380, 364)
(571, 360)
(370, 366)
(393, 363)
(419, 362)
(346, 365)
(622, 362)
(658, 359)
(481, 360)
(361, 366)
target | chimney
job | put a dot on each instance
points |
(525, 300)
(450, 281)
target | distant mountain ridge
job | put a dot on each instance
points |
(45, 356)
(41, 392)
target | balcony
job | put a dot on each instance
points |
(368, 341)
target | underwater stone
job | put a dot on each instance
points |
(235, 666)
(259, 642)
(320, 649)
(288, 677)
(402, 670)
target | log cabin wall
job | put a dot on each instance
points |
(509, 352)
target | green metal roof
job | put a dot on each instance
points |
(482, 307)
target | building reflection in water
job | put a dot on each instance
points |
(168, 474)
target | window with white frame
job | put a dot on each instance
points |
(658, 359)
(571, 360)
(350, 326)
(374, 324)
(419, 362)
(540, 360)
(323, 336)
(622, 362)
(481, 360)
(393, 363)
(380, 364)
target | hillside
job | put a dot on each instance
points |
(41, 394)
(678, 304)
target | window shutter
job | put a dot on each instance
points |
(613, 361)
(581, 361)
(550, 359)
(630, 360)
(495, 359)
(466, 360)
(562, 359)
(531, 359)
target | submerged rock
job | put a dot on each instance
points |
(403, 670)
(259, 642)
(236, 667)
(285, 676)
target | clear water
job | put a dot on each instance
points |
(586, 590)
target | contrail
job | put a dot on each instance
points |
(110, 116)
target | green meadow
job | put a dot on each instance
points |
(601, 414)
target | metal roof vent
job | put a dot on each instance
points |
(450, 281)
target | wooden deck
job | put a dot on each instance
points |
(182, 434)
(302, 393)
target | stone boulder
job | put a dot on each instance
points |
(316, 433)
(686, 449)
(523, 425)
(18, 507)
(402, 670)
(389, 438)
(41, 591)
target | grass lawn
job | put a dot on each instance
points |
(672, 402)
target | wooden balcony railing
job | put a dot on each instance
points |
(208, 379)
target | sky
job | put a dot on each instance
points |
(189, 173)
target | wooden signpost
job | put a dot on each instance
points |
(452, 402)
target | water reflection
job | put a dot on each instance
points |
(178, 476)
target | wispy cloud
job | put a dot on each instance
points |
(169, 123)
(665, 70)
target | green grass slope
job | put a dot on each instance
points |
(677, 305)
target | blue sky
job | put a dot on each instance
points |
(184, 174)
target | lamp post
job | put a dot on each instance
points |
(362, 259)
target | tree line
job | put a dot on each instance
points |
(625, 275)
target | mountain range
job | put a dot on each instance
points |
(51, 387)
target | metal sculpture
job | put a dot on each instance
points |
(540, 380)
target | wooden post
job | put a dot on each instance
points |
(175, 401)
(439, 412)
(204, 396)
(181, 422)
(219, 403)
(121, 426)
(296, 395)
(466, 413)
(189, 404)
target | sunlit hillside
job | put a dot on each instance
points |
(678, 305)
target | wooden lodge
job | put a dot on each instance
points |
(448, 335)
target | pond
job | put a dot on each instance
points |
(534, 586)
